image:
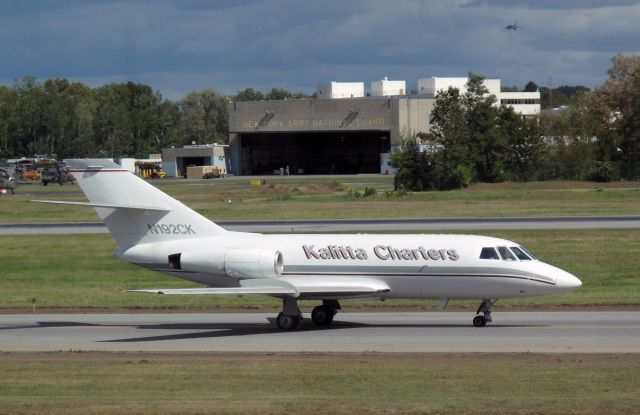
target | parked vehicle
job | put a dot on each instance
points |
(56, 173)
(7, 182)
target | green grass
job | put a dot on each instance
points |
(78, 271)
(73, 383)
(328, 198)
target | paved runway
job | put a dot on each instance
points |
(543, 332)
(337, 225)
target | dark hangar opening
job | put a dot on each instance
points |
(314, 153)
(183, 162)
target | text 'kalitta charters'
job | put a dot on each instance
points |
(383, 252)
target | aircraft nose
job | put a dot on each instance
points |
(567, 281)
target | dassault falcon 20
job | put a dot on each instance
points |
(155, 231)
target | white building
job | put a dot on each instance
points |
(433, 85)
(525, 103)
(386, 88)
(333, 90)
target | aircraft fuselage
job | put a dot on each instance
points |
(413, 266)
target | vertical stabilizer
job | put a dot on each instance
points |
(138, 212)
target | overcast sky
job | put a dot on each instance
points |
(227, 45)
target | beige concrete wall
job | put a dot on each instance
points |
(386, 114)
(413, 116)
(170, 154)
(313, 115)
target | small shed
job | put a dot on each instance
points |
(176, 160)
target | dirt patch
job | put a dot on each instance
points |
(418, 358)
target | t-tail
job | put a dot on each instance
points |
(134, 211)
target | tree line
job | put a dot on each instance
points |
(70, 119)
(595, 136)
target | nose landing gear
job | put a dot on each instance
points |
(485, 309)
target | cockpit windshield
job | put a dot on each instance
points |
(512, 253)
(526, 251)
(520, 254)
(506, 254)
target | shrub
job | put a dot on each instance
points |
(457, 178)
(395, 194)
(604, 171)
(369, 191)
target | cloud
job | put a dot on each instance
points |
(177, 46)
(550, 4)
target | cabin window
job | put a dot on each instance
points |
(506, 254)
(489, 253)
(520, 254)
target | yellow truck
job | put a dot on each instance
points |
(150, 170)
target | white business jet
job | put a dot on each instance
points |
(157, 232)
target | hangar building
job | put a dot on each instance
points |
(321, 136)
(343, 130)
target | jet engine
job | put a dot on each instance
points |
(231, 262)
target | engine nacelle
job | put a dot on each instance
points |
(231, 262)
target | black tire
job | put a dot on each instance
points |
(479, 321)
(322, 315)
(287, 322)
(45, 183)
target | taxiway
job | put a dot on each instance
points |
(364, 225)
(536, 332)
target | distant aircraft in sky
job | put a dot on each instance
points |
(155, 231)
(513, 26)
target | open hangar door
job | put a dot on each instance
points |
(184, 162)
(314, 152)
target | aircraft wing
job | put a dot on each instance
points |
(335, 287)
(267, 290)
(322, 287)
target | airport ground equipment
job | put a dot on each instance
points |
(7, 182)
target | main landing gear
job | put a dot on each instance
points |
(485, 309)
(288, 322)
(290, 317)
(323, 314)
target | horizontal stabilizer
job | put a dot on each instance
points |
(105, 205)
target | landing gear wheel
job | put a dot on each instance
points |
(322, 315)
(485, 309)
(479, 321)
(287, 322)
